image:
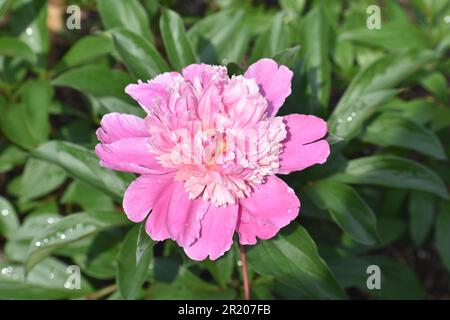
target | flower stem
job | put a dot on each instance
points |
(244, 272)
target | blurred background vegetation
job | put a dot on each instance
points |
(381, 199)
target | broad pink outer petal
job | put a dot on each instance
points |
(156, 225)
(116, 126)
(216, 234)
(302, 147)
(274, 82)
(184, 216)
(269, 208)
(143, 193)
(129, 155)
(146, 92)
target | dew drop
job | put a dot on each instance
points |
(5, 212)
(349, 119)
(45, 240)
(62, 236)
(159, 180)
(265, 196)
(339, 120)
(239, 263)
(37, 243)
(67, 285)
(51, 220)
(353, 114)
(29, 31)
(289, 210)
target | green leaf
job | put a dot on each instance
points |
(373, 86)
(421, 216)
(392, 171)
(50, 279)
(99, 259)
(70, 229)
(295, 7)
(221, 38)
(134, 259)
(273, 40)
(442, 234)
(138, 54)
(9, 222)
(348, 210)
(29, 21)
(316, 41)
(11, 157)
(85, 50)
(40, 178)
(178, 47)
(222, 269)
(82, 164)
(174, 281)
(26, 124)
(98, 81)
(292, 258)
(390, 129)
(287, 56)
(128, 14)
(14, 47)
(398, 281)
(86, 197)
(437, 84)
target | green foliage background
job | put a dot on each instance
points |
(382, 198)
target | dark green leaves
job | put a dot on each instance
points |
(70, 229)
(82, 164)
(14, 47)
(390, 129)
(292, 258)
(9, 221)
(178, 47)
(98, 81)
(391, 171)
(26, 123)
(371, 87)
(442, 234)
(126, 14)
(315, 39)
(85, 50)
(139, 55)
(348, 210)
(133, 262)
(50, 279)
(421, 216)
(39, 178)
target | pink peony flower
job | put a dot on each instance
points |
(208, 152)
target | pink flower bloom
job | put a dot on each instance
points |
(207, 154)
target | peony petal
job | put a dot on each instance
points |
(216, 235)
(200, 74)
(184, 216)
(143, 193)
(156, 225)
(129, 155)
(157, 89)
(274, 82)
(301, 148)
(116, 126)
(270, 207)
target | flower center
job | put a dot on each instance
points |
(217, 137)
